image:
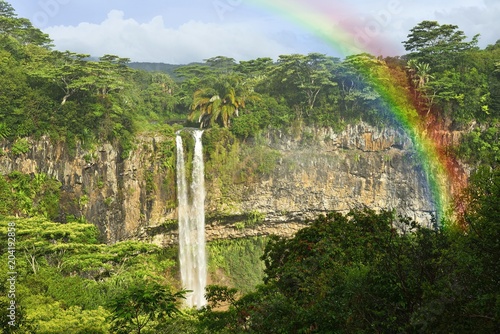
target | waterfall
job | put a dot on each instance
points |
(191, 199)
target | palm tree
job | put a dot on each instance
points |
(221, 101)
(420, 74)
(423, 74)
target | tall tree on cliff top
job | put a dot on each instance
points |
(301, 78)
(67, 70)
(20, 29)
(438, 45)
(221, 100)
(453, 83)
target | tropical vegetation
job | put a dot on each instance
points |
(363, 272)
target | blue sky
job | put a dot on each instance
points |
(183, 31)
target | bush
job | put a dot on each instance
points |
(20, 146)
(481, 147)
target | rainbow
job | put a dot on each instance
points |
(347, 34)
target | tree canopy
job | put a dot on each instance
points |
(366, 272)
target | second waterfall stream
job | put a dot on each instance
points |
(191, 198)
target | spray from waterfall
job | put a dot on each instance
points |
(191, 217)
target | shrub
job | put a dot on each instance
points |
(20, 146)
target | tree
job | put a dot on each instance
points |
(108, 75)
(140, 304)
(20, 29)
(420, 76)
(439, 45)
(221, 64)
(6, 10)
(300, 78)
(73, 73)
(256, 72)
(358, 92)
(221, 101)
(461, 96)
(67, 70)
(469, 301)
(482, 217)
(14, 89)
(254, 67)
(212, 317)
(446, 71)
(160, 94)
(193, 77)
(368, 272)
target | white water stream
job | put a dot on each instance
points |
(191, 199)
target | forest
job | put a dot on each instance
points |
(363, 272)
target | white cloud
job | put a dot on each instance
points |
(165, 38)
(153, 41)
(471, 16)
(475, 20)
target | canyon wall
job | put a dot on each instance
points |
(316, 171)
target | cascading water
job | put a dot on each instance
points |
(191, 199)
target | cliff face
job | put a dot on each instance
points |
(360, 167)
(320, 171)
(316, 172)
(120, 196)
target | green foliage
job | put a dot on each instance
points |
(19, 29)
(239, 225)
(450, 77)
(213, 320)
(366, 272)
(142, 303)
(64, 94)
(439, 45)
(303, 78)
(249, 124)
(52, 318)
(4, 131)
(108, 201)
(150, 184)
(20, 146)
(481, 147)
(259, 160)
(229, 163)
(186, 323)
(362, 272)
(254, 218)
(167, 150)
(239, 260)
(221, 100)
(71, 98)
(29, 195)
(67, 280)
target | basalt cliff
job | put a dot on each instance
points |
(316, 171)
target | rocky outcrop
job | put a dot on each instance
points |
(120, 196)
(318, 170)
(360, 167)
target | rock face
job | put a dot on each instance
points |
(317, 171)
(358, 168)
(120, 196)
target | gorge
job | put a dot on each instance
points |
(308, 199)
(270, 185)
